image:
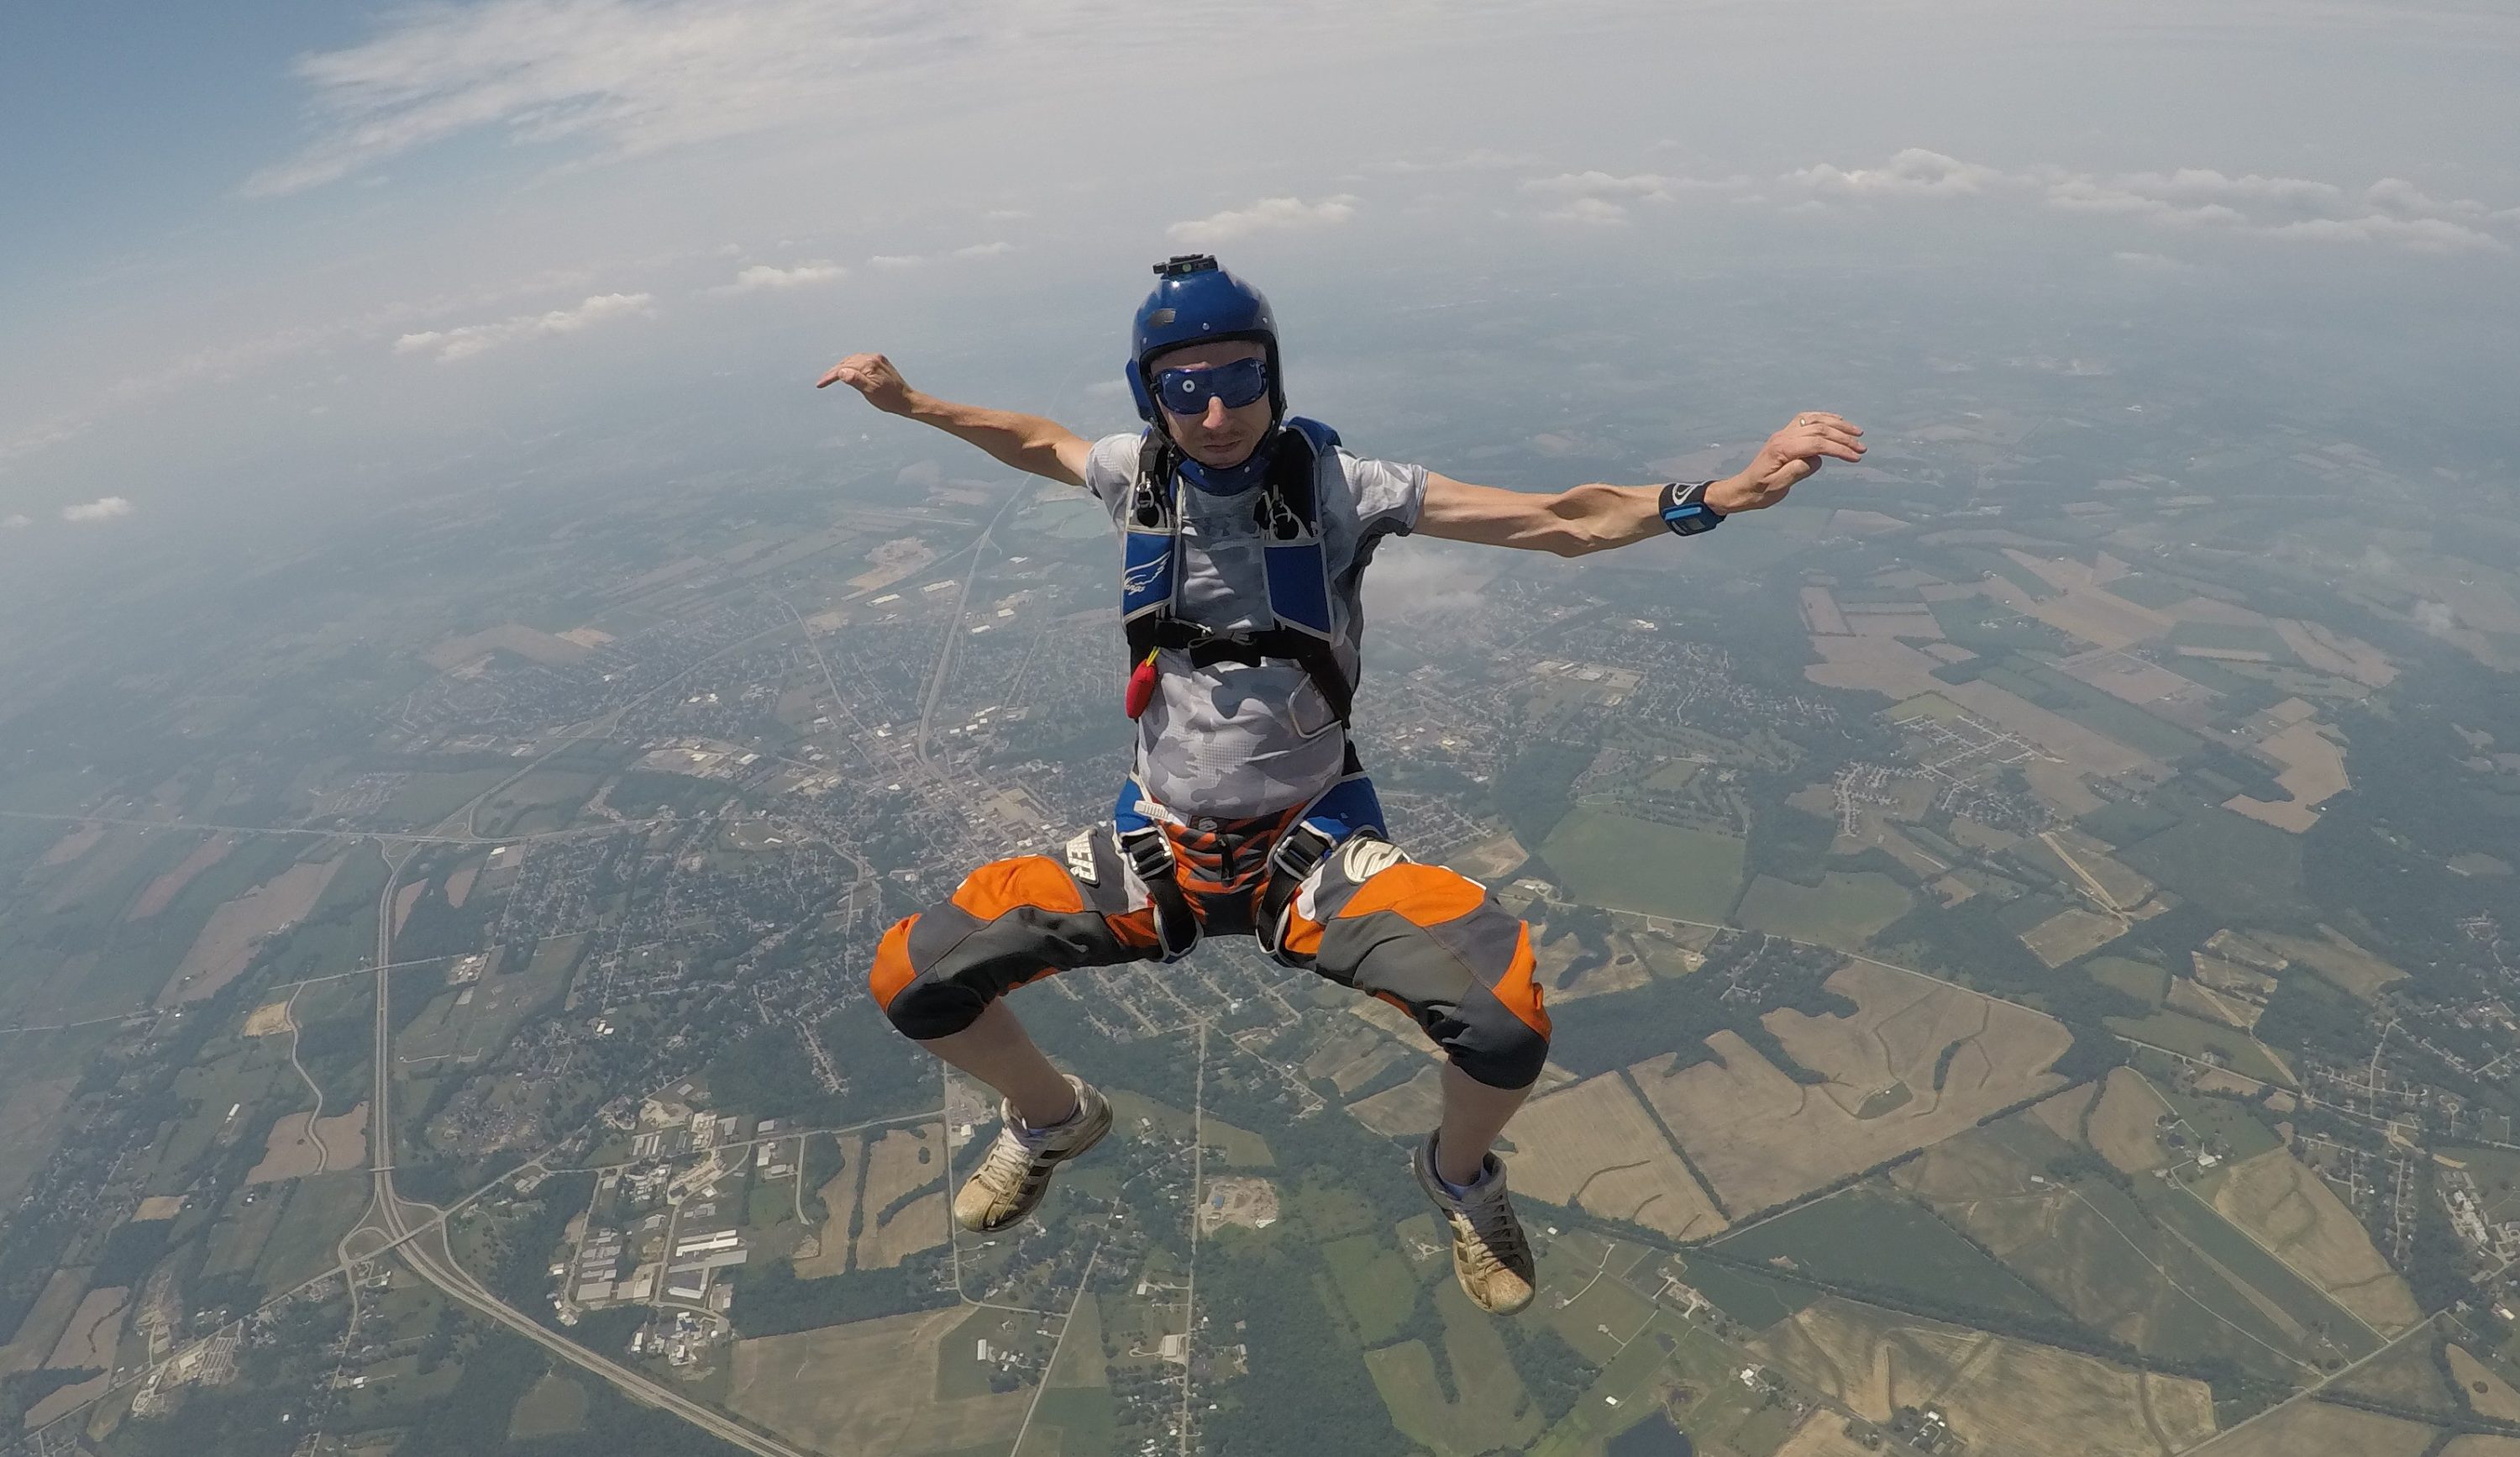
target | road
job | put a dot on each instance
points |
(315, 1119)
(388, 1215)
(439, 1269)
(415, 837)
(954, 624)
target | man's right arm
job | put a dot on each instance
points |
(1024, 442)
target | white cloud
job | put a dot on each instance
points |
(631, 77)
(2398, 194)
(101, 509)
(1478, 159)
(15, 521)
(896, 262)
(1913, 173)
(1268, 215)
(2149, 263)
(475, 338)
(1602, 198)
(2390, 212)
(1650, 187)
(761, 277)
(1594, 211)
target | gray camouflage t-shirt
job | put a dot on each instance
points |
(1236, 740)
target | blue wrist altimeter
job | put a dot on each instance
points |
(1684, 509)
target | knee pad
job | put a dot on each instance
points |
(1497, 1048)
(918, 1004)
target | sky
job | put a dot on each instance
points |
(271, 252)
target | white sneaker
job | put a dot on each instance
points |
(1011, 1181)
(1491, 1256)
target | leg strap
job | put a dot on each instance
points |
(1151, 855)
(1347, 810)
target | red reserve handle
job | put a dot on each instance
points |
(1142, 686)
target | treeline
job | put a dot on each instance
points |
(2463, 1421)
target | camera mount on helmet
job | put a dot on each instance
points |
(1196, 301)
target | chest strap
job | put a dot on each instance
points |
(1206, 648)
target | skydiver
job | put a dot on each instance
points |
(1245, 536)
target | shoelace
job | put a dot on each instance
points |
(1016, 1151)
(1498, 1235)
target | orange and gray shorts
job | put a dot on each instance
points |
(1428, 941)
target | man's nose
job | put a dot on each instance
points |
(1214, 419)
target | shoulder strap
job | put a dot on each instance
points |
(1297, 573)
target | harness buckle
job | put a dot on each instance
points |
(1298, 852)
(1151, 855)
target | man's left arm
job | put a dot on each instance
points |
(1596, 517)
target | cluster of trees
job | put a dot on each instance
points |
(21, 1391)
(771, 1299)
(1555, 1373)
(2436, 1261)
(1306, 1389)
(1621, 1028)
(529, 1238)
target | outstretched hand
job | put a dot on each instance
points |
(1790, 456)
(873, 376)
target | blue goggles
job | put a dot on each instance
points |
(1186, 391)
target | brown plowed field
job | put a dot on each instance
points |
(1595, 1147)
(1761, 1138)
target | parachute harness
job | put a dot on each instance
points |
(1257, 900)
(1296, 570)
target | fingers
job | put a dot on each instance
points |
(1816, 432)
(857, 371)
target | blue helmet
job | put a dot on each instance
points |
(1195, 301)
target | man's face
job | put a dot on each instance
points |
(1219, 438)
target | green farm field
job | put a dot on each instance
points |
(1487, 1407)
(1752, 1299)
(1375, 1283)
(1609, 859)
(322, 1208)
(2195, 1221)
(1869, 1238)
(2092, 1250)
(2197, 1038)
(1843, 910)
(2140, 980)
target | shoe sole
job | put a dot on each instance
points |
(1095, 1130)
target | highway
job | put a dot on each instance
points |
(386, 1215)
